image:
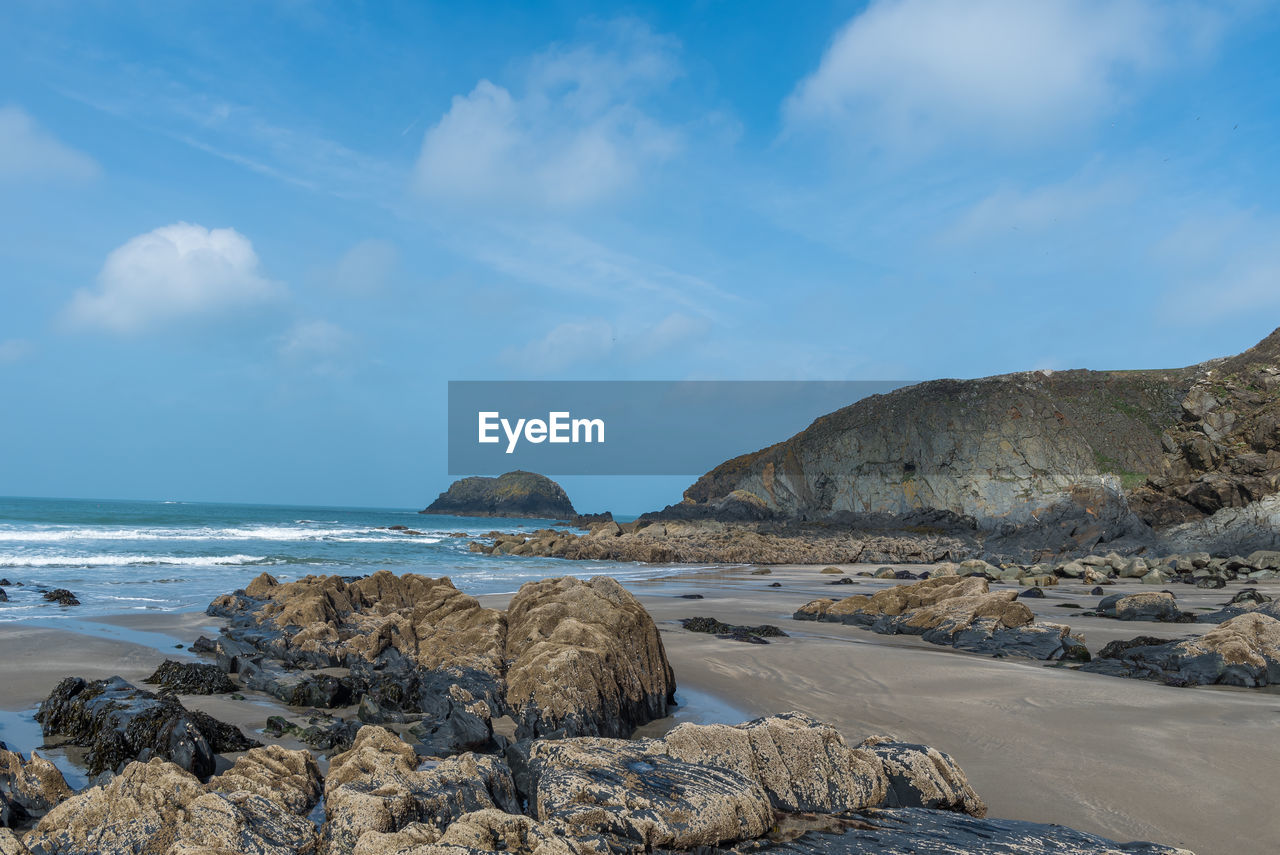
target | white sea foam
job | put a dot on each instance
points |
(260, 532)
(131, 560)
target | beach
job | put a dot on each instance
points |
(1128, 759)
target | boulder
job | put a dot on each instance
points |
(585, 657)
(191, 678)
(118, 722)
(752, 634)
(920, 776)
(62, 597)
(958, 611)
(11, 844)
(1154, 606)
(513, 494)
(156, 808)
(380, 786)
(28, 788)
(1243, 651)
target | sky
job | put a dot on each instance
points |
(244, 246)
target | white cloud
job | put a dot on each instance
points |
(174, 273)
(568, 344)
(319, 346)
(912, 73)
(575, 133)
(28, 151)
(366, 267)
(13, 349)
(673, 330)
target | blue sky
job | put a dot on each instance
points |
(243, 246)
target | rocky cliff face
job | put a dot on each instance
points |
(1082, 456)
(515, 494)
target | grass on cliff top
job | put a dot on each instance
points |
(1128, 480)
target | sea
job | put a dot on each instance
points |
(129, 556)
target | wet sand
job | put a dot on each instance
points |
(1124, 758)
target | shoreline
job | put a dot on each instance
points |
(1118, 757)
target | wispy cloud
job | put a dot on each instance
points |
(29, 152)
(13, 350)
(318, 347)
(366, 267)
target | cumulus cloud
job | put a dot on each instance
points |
(576, 130)
(174, 273)
(366, 267)
(915, 72)
(28, 151)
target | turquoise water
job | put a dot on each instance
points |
(125, 556)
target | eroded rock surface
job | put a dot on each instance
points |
(28, 788)
(191, 678)
(156, 808)
(959, 611)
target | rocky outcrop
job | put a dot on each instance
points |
(191, 678)
(915, 831)
(585, 658)
(378, 787)
(1243, 651)
(62, 597)
(515, 494)
(118, 722)
(733, 632)
(713, 541)
(28, 788)
(958, 611)
(567, 655)
(1042, 463)
(258, 806)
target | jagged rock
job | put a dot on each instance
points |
(379, 786)
(1031, 594)
(636, 791)
(4, 598)
(515, 494)
(11, 844)
(585, 657)
(191, 678)
(62, 597)
(324, 733)
(918, 831)
(751, 634)
(156, 808)
(954, 610)
(920, 776)
(1243, 651)
(28, 788)
(1154, 606)
(118, 722)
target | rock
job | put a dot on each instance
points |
(324, 733)
(379, 787)
(581, 656)
(1097, 592)
(62, 597)
(4, 598)
(28, 788)
(761, 571)
(514, 494)
(1031, 593)
(1045, 581)
(1211, 582)
(775, 584)
(1073, 570)
(1093, 577)
(1134, 568)
(843, 580)
(1117, 649)
(919, 831)
(1249, 595)
(11, 844)
(584, 657)
(691, 596)
(1155, 606)
(1243, 651)
(954, 610)
(191, 678)
(920, 776)
(155, 807)
(752, 634)
(118, 722)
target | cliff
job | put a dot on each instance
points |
(1067, 458)
(515, 494)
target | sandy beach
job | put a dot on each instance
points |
(1128, 759)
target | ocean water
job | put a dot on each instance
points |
(125, 556)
